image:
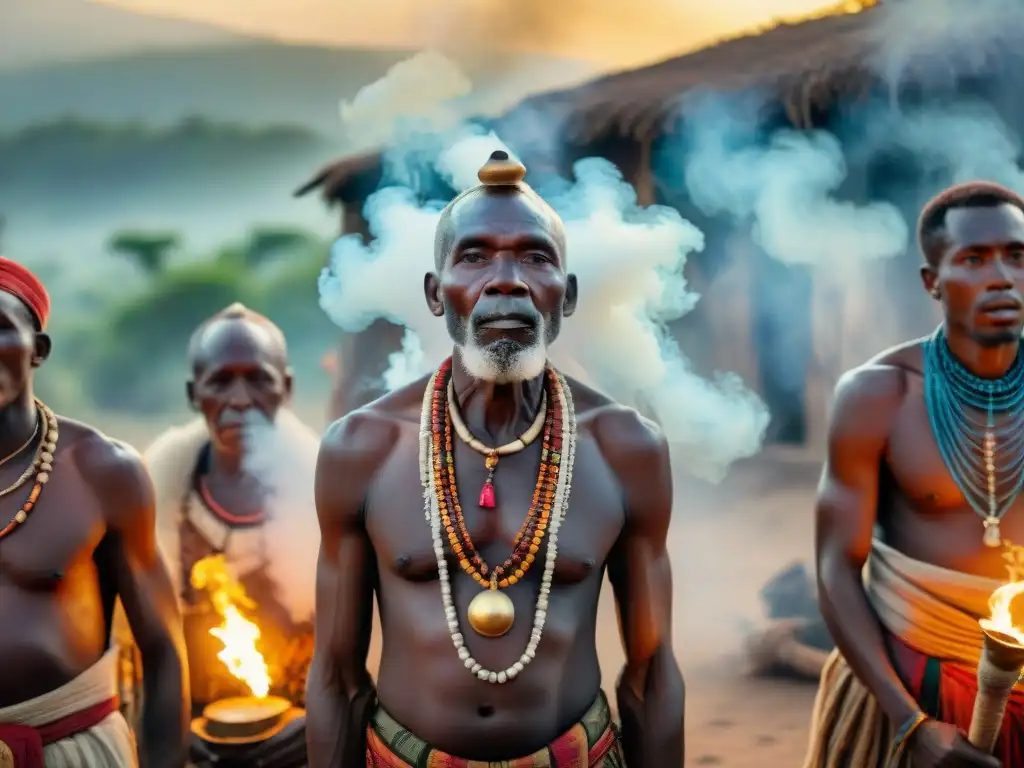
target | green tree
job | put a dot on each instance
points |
(149, 250)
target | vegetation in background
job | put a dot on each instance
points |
(129, 355)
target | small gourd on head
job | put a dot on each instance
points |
(501, 171)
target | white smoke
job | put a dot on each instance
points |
(417, 94)
(629, 262)
(956, 143)
(785, 187)
(935, 41)
(281, 455)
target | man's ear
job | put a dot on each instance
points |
(571, 296)
(190, 393)
(42, 349)
(930, 279)
(289, 383)
(432, 292)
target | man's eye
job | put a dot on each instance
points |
(537, 257)
(472, 256)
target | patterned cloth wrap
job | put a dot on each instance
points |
(592, 742)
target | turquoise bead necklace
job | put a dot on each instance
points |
(962, 410)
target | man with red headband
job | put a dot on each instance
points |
(76, 534)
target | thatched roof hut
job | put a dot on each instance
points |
(810, 65)
(752, 306)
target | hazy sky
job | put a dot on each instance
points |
(613, 33)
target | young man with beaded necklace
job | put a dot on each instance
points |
(76, 534)
(488, 622)
(921, 484)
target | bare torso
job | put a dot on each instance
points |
(422, 683)
(56, 582)
(921, 511)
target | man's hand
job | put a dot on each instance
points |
(941, 745)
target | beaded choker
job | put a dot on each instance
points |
(962, 410)
(491, 613)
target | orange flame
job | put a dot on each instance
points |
(237, 633)
(1001, 617)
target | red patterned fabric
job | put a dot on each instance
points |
(26, 742)
(19, 281)
(958, 687)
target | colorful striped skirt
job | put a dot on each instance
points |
(592, 742)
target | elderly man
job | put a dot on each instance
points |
(483, 505)
(237, 483)
(76, 534)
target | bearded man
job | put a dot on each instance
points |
(76, 535)
(489, 619)
(237, 482)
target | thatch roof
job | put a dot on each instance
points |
(808, 64)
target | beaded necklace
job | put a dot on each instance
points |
(962, 410)
(487, 497)
(40, 468)
(551, 498)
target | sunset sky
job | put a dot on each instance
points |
(609, 33)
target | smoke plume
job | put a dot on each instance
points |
(937, 41)
(281, 456)
(629, 262)
(416, 94)
(784, 187)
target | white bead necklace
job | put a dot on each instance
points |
(559, 508)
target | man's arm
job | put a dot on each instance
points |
(865, 403)
(339, 690)
(126, 491)
(651, 694)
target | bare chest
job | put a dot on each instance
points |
(59, 536)
(922, 507)
(401, 534)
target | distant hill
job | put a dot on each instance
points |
(256, 83)
(36, 32)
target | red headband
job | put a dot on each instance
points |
(19, 281)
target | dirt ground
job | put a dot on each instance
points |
(726, 541)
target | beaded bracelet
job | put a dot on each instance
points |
(899, 742)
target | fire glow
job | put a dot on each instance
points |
(1001, 616)
(238, 635)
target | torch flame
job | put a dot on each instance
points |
(237, 633)
(1001, 618)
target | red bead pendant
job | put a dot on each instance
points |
(487, 496)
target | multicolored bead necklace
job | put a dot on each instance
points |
(491, 613)
(40, 468)
(487, 496)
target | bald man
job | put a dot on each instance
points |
(483, 506)
(238, 482)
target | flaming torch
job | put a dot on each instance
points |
(1002, 660)
(242, 719)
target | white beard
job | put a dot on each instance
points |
(494, 364)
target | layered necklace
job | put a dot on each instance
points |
(38, 471)
(491, 613)
(963, 410)
(488, 499)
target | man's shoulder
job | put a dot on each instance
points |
(372, 431)
(612, 422)
(633, 446)
(867, 398)
(110, 466)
